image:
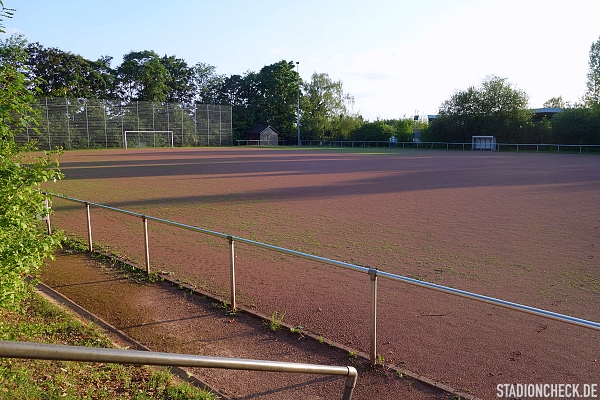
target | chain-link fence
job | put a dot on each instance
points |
(92, 123)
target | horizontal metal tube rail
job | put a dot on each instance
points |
(379, 273)
(117, 356)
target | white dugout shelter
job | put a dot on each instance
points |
(483, 143)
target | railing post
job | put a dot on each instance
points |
(232, 271)
(350, 383)
(146, 248)
(89, 227)
(47, 217)
(373, 352)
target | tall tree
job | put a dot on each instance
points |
(142, 76)
(179, 79)
(323, 101)
(495, 108)
(268, 97)
(277, 87)
(555, 102)
(592, 95)
(206, 83)
(55, 73)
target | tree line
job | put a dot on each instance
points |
(497, 108)
(276, 94)
(272, 96)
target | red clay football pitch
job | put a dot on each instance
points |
(519, 227)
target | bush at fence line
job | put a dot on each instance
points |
(23, 242)
(24, 245)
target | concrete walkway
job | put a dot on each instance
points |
(169, 318)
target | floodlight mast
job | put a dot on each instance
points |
(298, 109)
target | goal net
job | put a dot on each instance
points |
(140, 139)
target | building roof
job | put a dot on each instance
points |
(258, 129)
(538, 113)
(552, 110)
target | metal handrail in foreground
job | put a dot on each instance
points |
(93, 354)
(373, 273)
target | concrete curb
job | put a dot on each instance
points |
(413, 375)
(122, 339)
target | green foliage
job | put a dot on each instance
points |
(342, 126)
(62, 74)
(276, 320)
(555, 102)
(269, 97)
(4, 13)
(142, 76)
(205, 82)
(495, 108)
(276, 98)
(41, 322)
(377, 130)
(403, 128)
(592, 95)
(323, 101)
(23, 243)
(577, 126)
(179, 81)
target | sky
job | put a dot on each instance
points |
(396, 58)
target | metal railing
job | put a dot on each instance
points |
(261, 142)
(373, 273)
(93, 354)
(545, 147)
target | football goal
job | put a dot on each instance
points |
(483, 143)
(142, 139)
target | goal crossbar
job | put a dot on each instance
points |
(170, 136)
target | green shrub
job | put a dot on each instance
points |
(23, 242)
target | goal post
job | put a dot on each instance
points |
(148, 139)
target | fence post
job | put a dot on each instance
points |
(373, 353)
(47, 217)
(89, 227)
(146, 248)
(232, 270)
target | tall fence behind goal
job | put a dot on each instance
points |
(92, 123)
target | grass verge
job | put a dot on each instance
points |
(42, 322)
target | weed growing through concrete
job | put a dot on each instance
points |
(275, 321)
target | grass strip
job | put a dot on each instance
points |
(40, 321)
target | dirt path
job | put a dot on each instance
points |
(166, 318)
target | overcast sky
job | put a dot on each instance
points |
(394, 57)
